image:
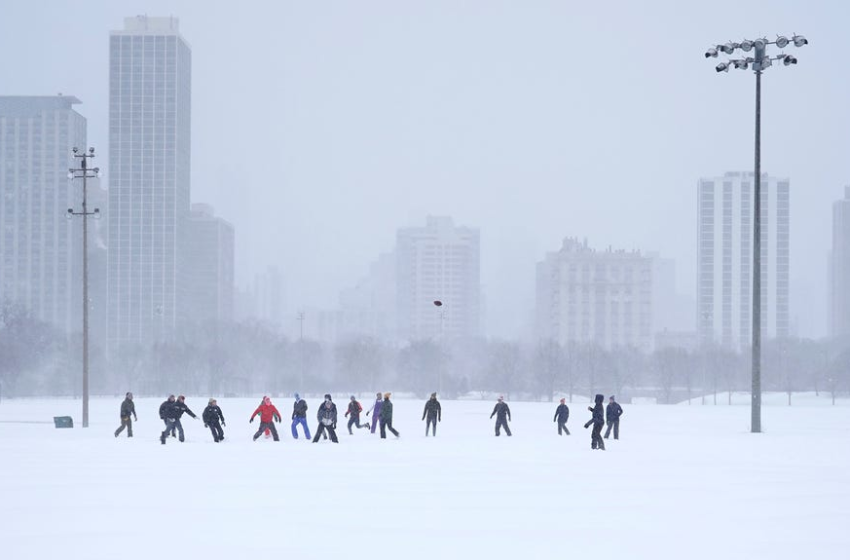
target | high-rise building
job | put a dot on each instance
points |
(725, 258)
(438, 262)
(839, 284)
(40, 248)
(210, 263)
(150, 69)
(590, 296)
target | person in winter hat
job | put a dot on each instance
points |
(386, 417)
(127, 409)
(354, 409)
(299, 416)
(434, 413)
(562, 414)
(163, 408)
(612, 415)
(502, 412)
(268, 416)
(376, 408)
(327, 417)
(597, 421)
(214, 420)
(180, 408)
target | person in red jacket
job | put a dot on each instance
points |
(268, 415)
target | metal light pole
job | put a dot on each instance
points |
(760, 62)
(84, 173)
(439, 305)
(300, 319)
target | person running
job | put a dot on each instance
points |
(434, 412)
(169, 402)
(268, 416)
(597, 421)
(502, 412)
(214, 420)
(299, 416)
(612, 415)
(562, 414)
(354, 409)
(376, 408)
(180, 408)
(386, 417)
(127, 409)
(327, 420)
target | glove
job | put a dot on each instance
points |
(223, 424)
(367, 414)
(251, 421)
(206, 425)
(334, 425)
(586, 426)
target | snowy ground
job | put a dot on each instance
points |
(684, 482)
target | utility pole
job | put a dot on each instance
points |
(84, 173)
(439, 305)
(300, 319)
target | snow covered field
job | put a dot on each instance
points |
(683, 482)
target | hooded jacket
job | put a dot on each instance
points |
(212, 413)
(386, 414)
(562, 413)
(128, 408)
(502, 410)
(327, 414)
(613, 411)
(181, 407)
(267, 412)
(598, 411)
(354, 409)
(299, 409)
(432, 409)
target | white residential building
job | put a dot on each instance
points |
(839, 305)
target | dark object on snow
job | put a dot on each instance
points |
(562, 414)
(503, 414)
(434, 412)
(612, 415)
(386, 417)
(63, 421)
(598, 420)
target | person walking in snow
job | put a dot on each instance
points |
(434, 413)
(562, 414)
(268, 416)
(127, 409)
(612, 415)
(163, 408)
(597, 421)
(327, 416)
(386, 417)
(354, 409)
(180, 408)
(376, 409)
(502, 412)
(299, 416)
(214, 420)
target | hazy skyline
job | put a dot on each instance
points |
(318, 130)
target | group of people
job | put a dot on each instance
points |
(171, 412)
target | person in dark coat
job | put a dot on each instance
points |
(434, 413)
(354, 409)
(386, 417)
(597, 421)
(127, 409)
(214, 420)
(562, 414)
(327, 416)
(503, 415)
(181, 408)
(169, 402)
(376, 408)
(299, 416)
(612, 415)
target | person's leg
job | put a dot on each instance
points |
(498, 426)
(383, 430)
(220, 431)
(179, 426)
(374, 423)
(427, 426)
(617, 428)
(293, 428)
(120, 428)
(306, 428)
(507, 429)
(350, 423)
(129, 427)
(260, 430)
(273, 429)
(319, 431)
(390, 427)
(332, 432)
(608, 431)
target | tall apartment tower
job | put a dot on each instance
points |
(210, 262)
(40, 248)
(839, 277)
(150, 69)
(590, 296)
(438, 262)
(725, 258)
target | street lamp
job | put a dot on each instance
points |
(760, 61)
(84, 173)
(439, 305)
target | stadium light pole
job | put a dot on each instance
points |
(84, 173)
(439, 305)
(760, 62)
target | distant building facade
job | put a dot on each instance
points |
(210, 260)
(590, 296)
(839, 305)
(725, 258)
(150, 69)
(439, 261)
(40, 248)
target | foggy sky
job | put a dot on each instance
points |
(319, 128)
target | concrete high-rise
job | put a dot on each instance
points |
(150, 69)
(590, 296)
(839, 273)
(40, 248)
(725, 258)
(210, 263)
(438, 262)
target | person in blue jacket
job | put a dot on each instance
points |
(597, 421)
(299, 416)
(612, 415)
(562, 414)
